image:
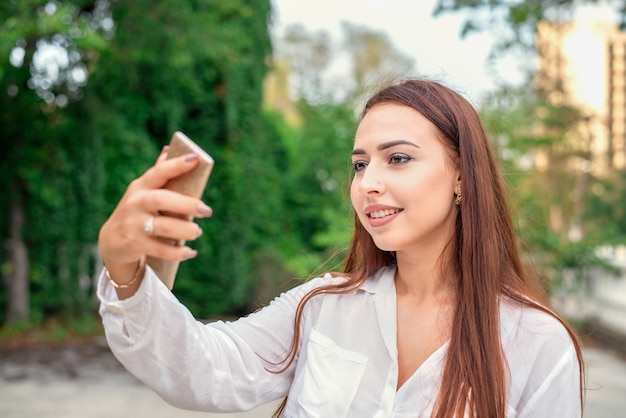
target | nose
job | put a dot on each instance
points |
(370, 182)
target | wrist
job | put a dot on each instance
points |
(117, 278)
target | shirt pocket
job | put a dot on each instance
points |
(331, 377)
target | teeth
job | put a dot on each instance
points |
(382, 213)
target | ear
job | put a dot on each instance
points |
(457, 191)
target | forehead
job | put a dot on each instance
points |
(392, 121)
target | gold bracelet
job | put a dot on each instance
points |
(125, 285)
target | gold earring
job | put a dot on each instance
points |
(459, 198)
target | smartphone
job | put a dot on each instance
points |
(192, 184)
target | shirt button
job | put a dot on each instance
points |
(115, 309)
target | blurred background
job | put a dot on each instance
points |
(91, 90)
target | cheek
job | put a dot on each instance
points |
(354, 195)
(357, 201)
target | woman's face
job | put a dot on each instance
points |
(403, 186)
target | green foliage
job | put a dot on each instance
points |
(46, 168)
(319, 149)
(541, 148)
(83, 326)
(520, 17)
(319, 183)
(606, 207)
(71, 143)
(202, 73)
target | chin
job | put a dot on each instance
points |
(385, 246)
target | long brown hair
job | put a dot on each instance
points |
(483, 257)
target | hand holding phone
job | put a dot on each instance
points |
(192, 184)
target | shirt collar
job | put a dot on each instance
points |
(380, 281)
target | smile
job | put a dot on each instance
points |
(377, 214)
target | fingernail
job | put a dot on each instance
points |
(199, 233)
(205, 210)
(191, 157)
(189, 254)
(165, 149)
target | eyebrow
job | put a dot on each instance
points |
(386, 145)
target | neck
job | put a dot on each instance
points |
(422, 278)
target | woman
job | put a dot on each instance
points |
(432, 316)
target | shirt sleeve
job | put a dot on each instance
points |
(544, 368)
(216, 367)
(559, 393)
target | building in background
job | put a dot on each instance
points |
(584, 64)
(616, 110)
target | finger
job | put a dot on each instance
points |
(163, 200)
(175, 228)
(164, 250)
(163, 155)
(159, 174)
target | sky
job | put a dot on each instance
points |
(433, 43)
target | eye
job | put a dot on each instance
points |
(359, 166)
(399, 159)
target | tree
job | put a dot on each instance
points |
(117, 92)
(373, 57)
(573, 202)
(45, 171)
(202, 72)
(518, 20)
(322, 103)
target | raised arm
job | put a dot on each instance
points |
(130, 233)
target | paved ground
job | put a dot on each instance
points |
(87, 382)
(606, 384)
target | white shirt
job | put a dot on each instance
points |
(347, 358)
